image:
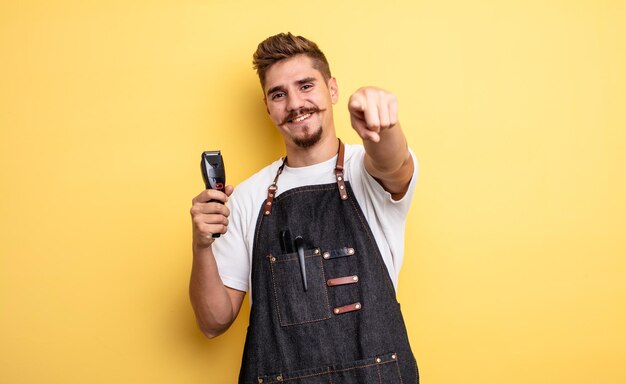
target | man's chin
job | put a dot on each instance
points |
(308, 140)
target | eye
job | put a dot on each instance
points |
(306, 87)
(277, 95)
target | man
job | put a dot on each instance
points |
(319, 249)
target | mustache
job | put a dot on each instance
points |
(299, 112)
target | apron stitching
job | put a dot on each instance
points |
(329, 371)
(274, 285)
(275, 294)
(398, 368)
(294, 258)
(330, 377)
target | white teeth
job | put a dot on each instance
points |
(303, 117)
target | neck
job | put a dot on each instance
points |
(324, 150)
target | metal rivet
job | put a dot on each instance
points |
(339, 178)
(326, 255)
(273, 259)
(267, 213)
(341, 187)
(336, 311)
(279, 377)
(271, 195)
(260, 381)
(317, 251)
(350, 251)
(378, 360)
(269, 203)
(355, 278)
(393, 356)
(358, 306)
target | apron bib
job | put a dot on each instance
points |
(344, 325)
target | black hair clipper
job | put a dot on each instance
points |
(213, 172)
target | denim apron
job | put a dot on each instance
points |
(344, 326)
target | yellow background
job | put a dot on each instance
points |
(515, 269)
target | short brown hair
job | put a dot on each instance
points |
(284, 46)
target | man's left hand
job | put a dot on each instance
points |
(372, 110)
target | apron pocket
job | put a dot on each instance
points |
(382, 369)
(294, 304)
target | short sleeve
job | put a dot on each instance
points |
(383, 199)
(230, 251)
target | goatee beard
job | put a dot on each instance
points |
(308, 140)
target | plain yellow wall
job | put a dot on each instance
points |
(516, 240)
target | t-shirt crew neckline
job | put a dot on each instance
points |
(323, 166)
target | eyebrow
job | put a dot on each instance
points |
(307, 80)
(275, 89)
(282, 88)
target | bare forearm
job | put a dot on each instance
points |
(389, 160)
(209, 297)
(387, 155)
(215, 305)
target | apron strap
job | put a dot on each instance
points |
(339, 172)
(271, 190)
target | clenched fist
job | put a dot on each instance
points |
(209, 217)
(372, 110)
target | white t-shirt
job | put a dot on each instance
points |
(385, 216)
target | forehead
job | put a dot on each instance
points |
(289, 71)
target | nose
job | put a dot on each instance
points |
(294, 101)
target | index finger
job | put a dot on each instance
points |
(210, 194)
(356, 103)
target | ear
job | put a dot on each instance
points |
(266, 108)
(333, 89)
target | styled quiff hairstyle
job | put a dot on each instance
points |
(284, 46)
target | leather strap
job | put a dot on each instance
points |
(271, 190)
(342, 281)
(339, 172)
(341, 252)
(347, 308)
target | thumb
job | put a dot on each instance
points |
(229, 190)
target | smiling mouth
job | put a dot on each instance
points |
(300, 115)
(300, 118)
